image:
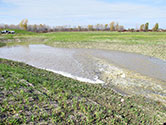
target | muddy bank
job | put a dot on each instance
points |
(127, 73)
(157, 50)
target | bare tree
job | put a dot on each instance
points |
(121, 28)
(117, 27)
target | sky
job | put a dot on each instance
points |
(130, 13)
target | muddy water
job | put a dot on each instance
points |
(68, 62)
(145, 65)
(80, 62)
(96, 66)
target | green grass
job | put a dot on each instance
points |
(146, 43)
(29, 95)
(2, 44)
(109, 36)
(123, 38)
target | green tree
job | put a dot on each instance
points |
(146, 26)
(156, 27)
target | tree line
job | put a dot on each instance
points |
(113, 26)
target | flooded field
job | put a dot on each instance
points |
(95, 66)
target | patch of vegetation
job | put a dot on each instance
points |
(146, 43)
(2, 44)
(111, 37)
(29, 95)
(123, 37)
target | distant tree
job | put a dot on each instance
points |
(7, 26)
(12, 26)
(101, 27)
(79, 28)
(90, 27)
(117, 27)
(41, 25)
(112, 26)
(98, 27)
(156, 27)
(121, 28)
(35, 28)
(23, 24)
(106, 26)
(142, 27)
(70, 29)
(132, 29)
(2, 26)
(146, 26)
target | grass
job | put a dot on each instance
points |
(124, 37)
(2, 44)
(109, 36)
(29, 95)
(147, 43)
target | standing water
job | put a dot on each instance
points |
(80, 63)
(95, 66)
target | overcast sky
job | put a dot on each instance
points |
(130, 13)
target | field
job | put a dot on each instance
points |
(147, 43)
(29, 95)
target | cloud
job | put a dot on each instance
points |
(154, 1)
(75, 12)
